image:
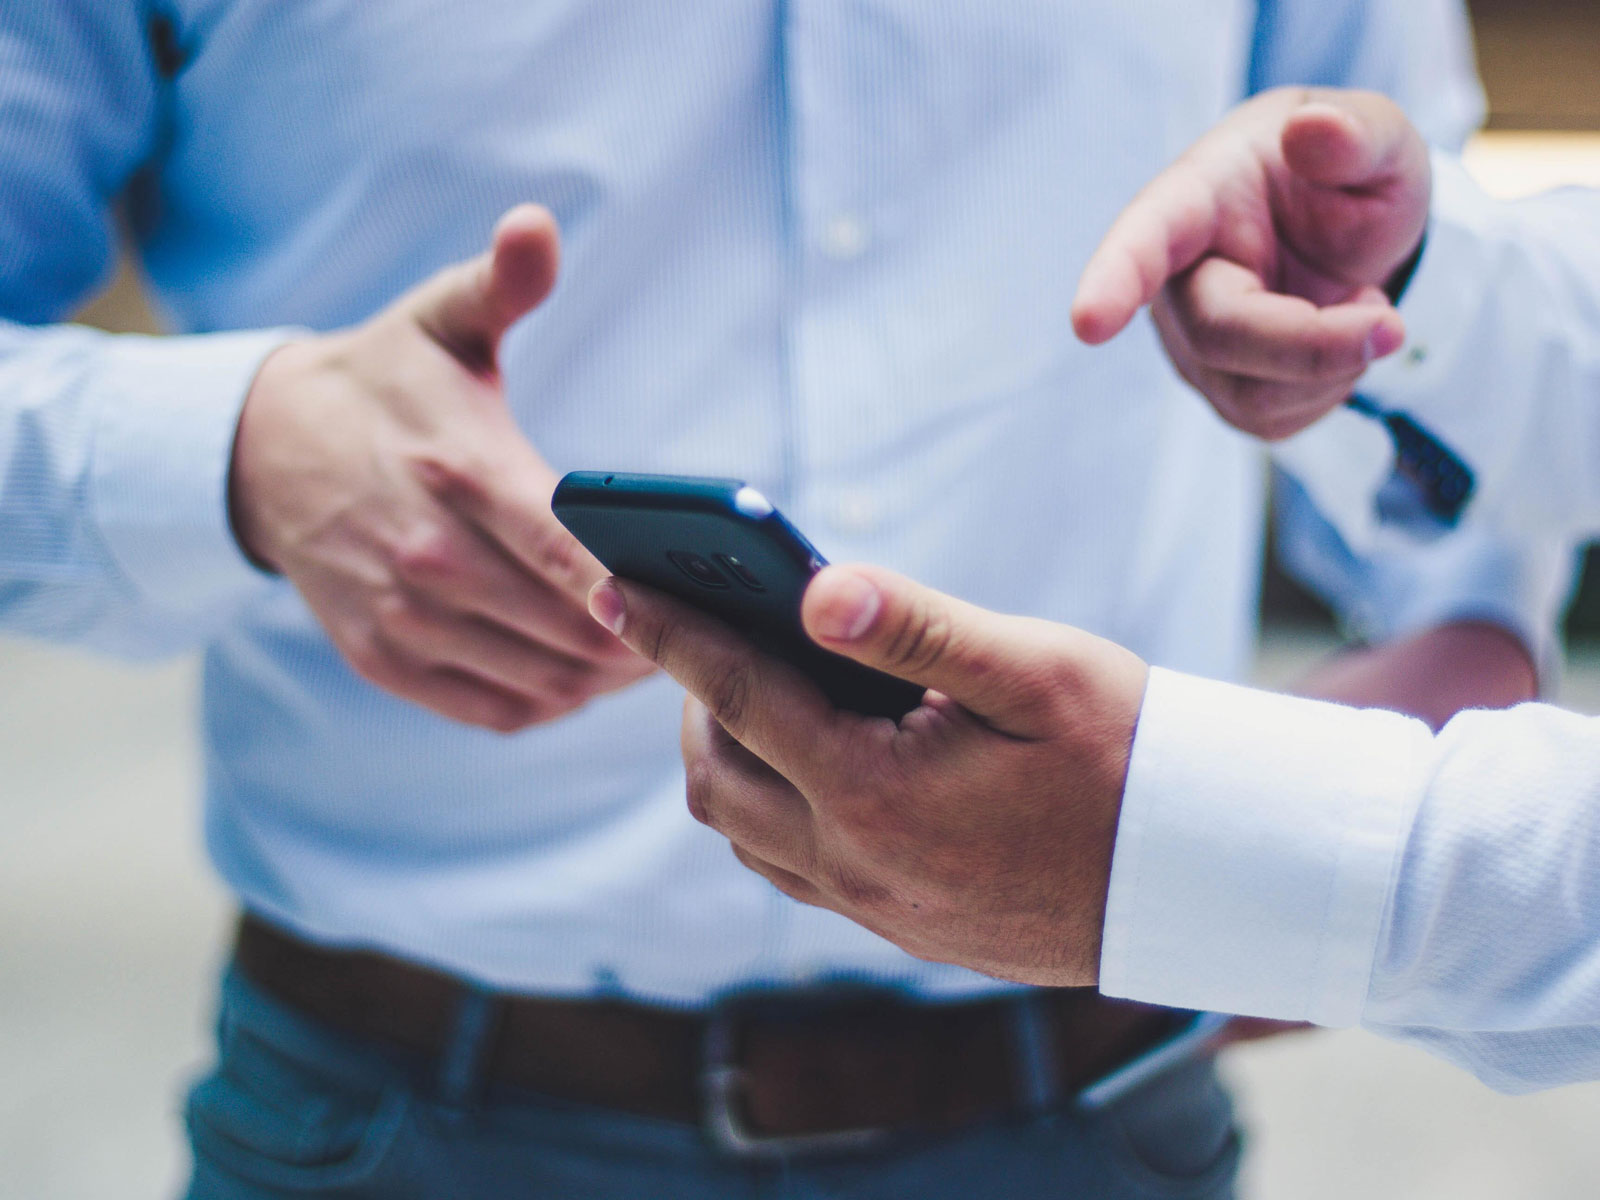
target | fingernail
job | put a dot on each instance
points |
(1383, 341)
(607, 606)
(849, 607)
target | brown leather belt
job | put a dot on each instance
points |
(770, 1071)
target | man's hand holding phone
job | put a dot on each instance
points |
(1265, 252)
(380, 470)
(977, 830)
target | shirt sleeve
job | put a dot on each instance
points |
(1258, 838)
(1418, 53)
(1490, 954)
(1300, 860)
(1397, 585)
(114, 451)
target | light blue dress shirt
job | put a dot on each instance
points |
(826, 245)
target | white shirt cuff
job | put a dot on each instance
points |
(162, 452)
(1256, 850)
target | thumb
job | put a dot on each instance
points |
(468, 307)
(1366, 183)
(1354, 140)
(986, 662)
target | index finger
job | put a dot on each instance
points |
(1235, 323)
(508, 500)
(1166, 230)
(766, 705)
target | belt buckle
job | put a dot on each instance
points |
(722, 1082)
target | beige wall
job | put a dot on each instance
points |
(1540, 61)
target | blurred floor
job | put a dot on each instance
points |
(110, 929)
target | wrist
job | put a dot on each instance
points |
(1226, 897)
(1118, 703)
(283, 374)
(1400, 279)
(1432, 675)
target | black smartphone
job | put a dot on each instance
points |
(720, 545)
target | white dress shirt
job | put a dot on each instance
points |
(825, 245)
(1285, 858)
(1288, 858)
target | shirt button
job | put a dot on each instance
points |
(845, 238)
(855, 512)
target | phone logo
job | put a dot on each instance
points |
(705, 572)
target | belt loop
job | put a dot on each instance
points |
(466, 1049)
(1034, 1045)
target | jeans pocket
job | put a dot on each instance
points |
(272, 1118)
(1176, 1137)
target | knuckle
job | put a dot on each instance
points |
(1318, 358)
(1225, 408)
(751, 862)
(555, 552)
(869, 823)
(508, 717)
(872, 817)
(428, 556)
(570, 686)
(659, 640)
(856, 889)
(729, 700)
(1209, 335)
(1249, 405)
(454, 477)
(794, 888)
(785, 885)
(699, 790)
(1063, 685)
(396, 615)
(1183, 362)
(921, 638)
(1282, 426)
(1256, 399)
(368, 659)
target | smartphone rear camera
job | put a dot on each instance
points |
(698, 568)
(742, 573)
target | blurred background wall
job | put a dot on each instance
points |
(1541, 62)
(111, 926)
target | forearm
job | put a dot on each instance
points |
(1454, 623)
(1432, 675)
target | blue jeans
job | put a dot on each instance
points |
(293, 1108)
